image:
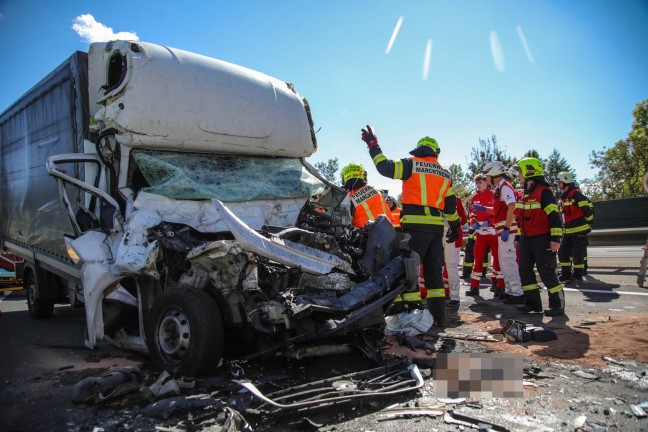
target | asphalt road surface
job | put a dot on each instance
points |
(41, 360)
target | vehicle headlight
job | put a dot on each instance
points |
(72, 253)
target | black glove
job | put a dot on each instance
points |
(369, 137)
(452, 235)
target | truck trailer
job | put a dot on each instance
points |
(168, 194)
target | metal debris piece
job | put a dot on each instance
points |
(596, 426)
(638, 411)
(534, 372)
(472, 422)
(409, 412)
(300, 352)
(452, 401)
(166, 407)
(586, 375)
(579, 422)
(611, 360)
(383, 381)
(164, 386)
(473, 337)
(112, 384)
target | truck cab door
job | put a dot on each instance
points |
(88, 206)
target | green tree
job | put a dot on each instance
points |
(534, 154)
(622, 167)
(487, 151)
(461, 182)
(329, 169)
(554, 164)
(592, 189)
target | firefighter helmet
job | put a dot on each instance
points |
(353, 171)
(531, 167)
(495, 168)
(565, 177)
(429, 142)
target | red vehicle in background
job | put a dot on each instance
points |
(8, 263)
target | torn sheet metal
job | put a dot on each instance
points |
(383, 381)
(308, 259)
(135, 252)
(411, 323)
(167, 407)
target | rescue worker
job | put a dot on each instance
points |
(451, 253)
(395, 211)
(578, 213)
(539, 239)
(506, 227)
(368, 203)
(469, 252)
(481, 222)
(427, 197)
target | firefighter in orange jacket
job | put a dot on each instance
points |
(368, 203)
(578, 213)
(427, 197)
(395, 210)
(538, 239)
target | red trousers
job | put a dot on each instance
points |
(482, 242)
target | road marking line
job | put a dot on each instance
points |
(605, 292)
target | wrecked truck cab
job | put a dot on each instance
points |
(197, 230)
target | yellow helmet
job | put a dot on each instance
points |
(429, 142)
(353, 170)
(565, 177)
(531, 167)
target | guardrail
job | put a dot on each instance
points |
(618, 236)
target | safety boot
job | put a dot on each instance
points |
(453, 305)
(532, 302)
(564, 276)
(472, 292)
(511, 299)
(556, 304)
(437, 310)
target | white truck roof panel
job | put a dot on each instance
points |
(165, 98)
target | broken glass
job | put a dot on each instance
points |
(229, 178)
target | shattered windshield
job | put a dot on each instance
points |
(225, 177)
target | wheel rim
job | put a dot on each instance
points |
(174, 335)
(31, 292)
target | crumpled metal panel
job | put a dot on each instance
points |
(307, 259)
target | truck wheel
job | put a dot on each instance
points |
(184, 332)
(37, 308)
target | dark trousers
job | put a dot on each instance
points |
(572, 250)
(535, 251)
(429, 246)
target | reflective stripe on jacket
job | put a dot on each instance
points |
(396, 214)
(534, 219)
(575, 220)
(500, 209)
(369, 204)
(428, 185)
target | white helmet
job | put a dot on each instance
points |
(565, 177)
(494, 168)
(513, 171)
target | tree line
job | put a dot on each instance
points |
(621, 167)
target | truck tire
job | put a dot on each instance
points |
(37, 308)
(184, 332)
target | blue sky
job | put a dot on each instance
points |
(537, 74)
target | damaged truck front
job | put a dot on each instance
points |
(194, 232)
